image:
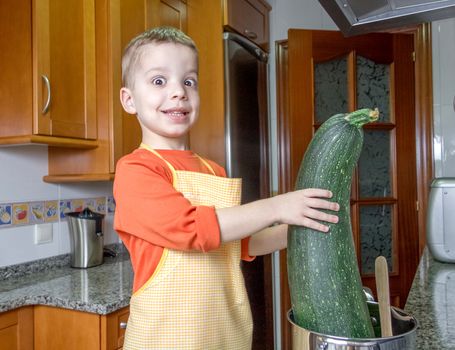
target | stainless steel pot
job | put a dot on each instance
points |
(403, 326)
(86, 238)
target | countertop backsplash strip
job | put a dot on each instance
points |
(46, 211)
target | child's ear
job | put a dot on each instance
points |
(127, 100)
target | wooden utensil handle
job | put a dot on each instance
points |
(382, 286)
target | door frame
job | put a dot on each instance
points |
(424, 140)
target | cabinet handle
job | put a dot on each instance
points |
(250, 34)
(48, 87)
(123, 325)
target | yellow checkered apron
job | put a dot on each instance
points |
(194, 300)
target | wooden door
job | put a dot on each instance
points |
(327, 74)
(64, 68)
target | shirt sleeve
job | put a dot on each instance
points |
(149, 207)
(245, 256)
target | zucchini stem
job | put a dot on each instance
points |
(362, 116)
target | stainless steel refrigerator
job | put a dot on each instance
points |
(247, 157)
(246, 115)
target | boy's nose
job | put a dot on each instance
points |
(178, 92)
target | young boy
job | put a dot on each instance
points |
(181, 218)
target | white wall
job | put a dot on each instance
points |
(21, 171)
(443, 45)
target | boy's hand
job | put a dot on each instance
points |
(302, 208)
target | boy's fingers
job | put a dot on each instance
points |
(315, 225)
(321, 216)
(322, 204)
(317, 192)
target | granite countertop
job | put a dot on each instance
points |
(100, 289)
(431, 301)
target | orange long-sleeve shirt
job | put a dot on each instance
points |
(151, 215)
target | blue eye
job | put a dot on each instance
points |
(158, 81)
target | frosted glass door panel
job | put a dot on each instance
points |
(374, 165)
(330, 89)
(373, 87)
(376, 235)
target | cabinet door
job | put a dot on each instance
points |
(57, 329)
(113, 328)
(16, 329)
(64, 68)
(166, 12)
(249, 18)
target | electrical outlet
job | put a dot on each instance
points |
(43, 233)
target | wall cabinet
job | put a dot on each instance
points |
(249, 18)
(75, 47)
(47, 60)
(68, 329)
(117, 22)
(166, 12)
(16, 329)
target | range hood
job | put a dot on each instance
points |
(365, 16)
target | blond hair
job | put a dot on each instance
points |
(133, 50)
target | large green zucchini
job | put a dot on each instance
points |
(324, 279)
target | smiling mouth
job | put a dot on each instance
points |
(176, 114)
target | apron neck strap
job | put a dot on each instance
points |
(147, 147)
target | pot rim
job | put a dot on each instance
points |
(359, 341)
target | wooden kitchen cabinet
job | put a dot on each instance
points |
(48, 81)
(57, 329)
(117, 22)
(16, 329)
(114, 326)
(167, 12)
(249, 18)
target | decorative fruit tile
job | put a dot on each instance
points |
(36, 212)
(91, 204)
(50, 211)
(65, 207)
(110, 204)
(20, 214)
(100, 205)
(78, 204)
(5, 214)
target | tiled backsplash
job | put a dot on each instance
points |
(38, 212)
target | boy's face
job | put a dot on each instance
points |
(165, 94)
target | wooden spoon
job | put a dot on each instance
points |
(382, 286)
